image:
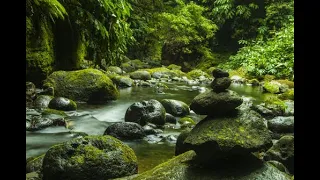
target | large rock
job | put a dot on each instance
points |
(182, 167)
(114, 69)
(146, 111)
(219, 73)
(272, 87)
(143, 75)
(89, 85)
(42, 101)
(122, 81)
(214, 138)
(180, 146)
(89, 158)
(212, 103)
(283, 151)
(175, 107)
(170, 119)
(63, 104)
(125, 131)
(281, 124)
(220, 84)
(35, 123)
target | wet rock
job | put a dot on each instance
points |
(114, 69)
(289, 111)
(122, 81)
(272, 87)
(220, 84)
(212, 103)
(33, 176)
(64, 104)
(37, 123)
(283, 151)
(180, 146)
(146, 111)
(30, 93)
(175, 107)
(281, 124)
(237, 79)
(279, 166)
(90, 157)
(219, 73)
(42, 101)
(34, 164)
(125, 131)
(170, 119)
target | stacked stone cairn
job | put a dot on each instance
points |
(227, 132)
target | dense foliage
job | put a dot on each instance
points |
(258, 32)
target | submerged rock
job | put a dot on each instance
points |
(88, 85)
(64, 104)
(175, 107)
(283, 151)
(212, 103)
(125, 131)
(146, 111)
(89, 158)
(183, 167)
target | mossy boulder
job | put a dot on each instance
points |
(289, 94)
(175, 107)
(161, 72)
(146, 111)
(196, 73)
(33, 176)
(127, 67)
(212, 103)
(174, 67)
(125, 131)
(272, 87)
(183, 167)
(271, 107)
(281, 124)
(42, 101)
(219, 73)
(289, 83)
(283, 151)
(133, 65)
(220, 84)
(170, 119)
(142, 75)
(89, 157)
(180, 146)
(34, 163)
(63, 104)
(214, 138)
(122, 81)
(114, 69)
(49, 111)
(88, 85)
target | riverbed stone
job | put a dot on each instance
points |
(125, 131)
(42, 101)
(64, 104)
(214, 138)
(281, 124)
(36, 123)
(170, 119)
(212, 103)
(283, 151)
(175, 107)
(34, 164)
(146, 111)
(88, 85)
(140, 74)
(89, 158)
(220, 84)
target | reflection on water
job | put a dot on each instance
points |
(94, 119)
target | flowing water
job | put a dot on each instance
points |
(94, 119)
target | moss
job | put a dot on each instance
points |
(174, 67)
(81, 52)
(286, 82)
(209, 71)
(39, 51)
(273, 99)
(89, 85)
(271, 87)
(49, 111)
(186, 120)
(289, 94)
(254, 82)
(269, 77)
(196, 73)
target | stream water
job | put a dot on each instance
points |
(94, 120)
